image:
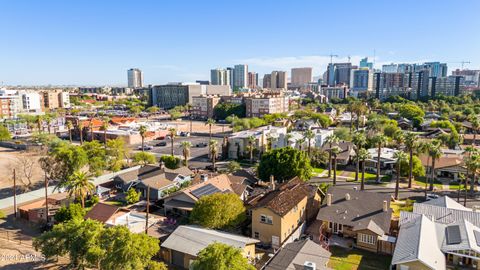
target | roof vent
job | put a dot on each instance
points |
(329, 199)
(309, 266)
(347, 196)
(204, 177)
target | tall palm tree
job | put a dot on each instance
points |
(411, 143)
(79, 185)
(288, 136)
(332, 139)
(173, 134)
(473, 164)
(104, 127)
(363, 155)
(39, 120)
(251, 146)
(475, 126)
(335, 150)
(210, 122)
(471, 151)
(48, 120)
(69, 127)
(359, 140)
(143, 131)
(186, 145)
(435, 153)
(400, 156)
(212, 146)
(309, 136)
(379, 140)
(300, 143)
(80, 128)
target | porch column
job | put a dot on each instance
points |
(455, 176)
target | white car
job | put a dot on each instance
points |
(145, 147)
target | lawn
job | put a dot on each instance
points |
(371, 177)
(343, 259)
(116, 203)
(318, 170)
(420, 181)
(404, 205)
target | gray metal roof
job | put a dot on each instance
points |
(192, 239)
(295, 254)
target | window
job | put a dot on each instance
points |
(266, 219)
(256, 235)
(367, 239)
(295, 209)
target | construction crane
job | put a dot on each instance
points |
(331, 57)
(460, 62)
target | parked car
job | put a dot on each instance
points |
(432, 196)
(161, 138)
(162, 143)
(185, 134)
(146, 147)
(201, 144)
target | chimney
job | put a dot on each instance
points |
(329, 199)
(204, 177)
(162, 165)
(309, 266)
(347, 197)
(272, 182)
(385, 206)
(355, 188)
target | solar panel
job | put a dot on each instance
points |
(477, 237)
(205, 190)
(453, 235)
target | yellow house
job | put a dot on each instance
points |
(280, 214)
(182, 246)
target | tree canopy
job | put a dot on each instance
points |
(221, 256)
(4, 133)
(284, 164)
(224, 110)
(217, 211)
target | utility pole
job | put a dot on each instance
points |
(148, 209)
(46, 198)
(14, 193)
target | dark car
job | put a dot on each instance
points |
(161, 138)
(162, 143)
(201, 144)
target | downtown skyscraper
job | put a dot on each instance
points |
(135, 78)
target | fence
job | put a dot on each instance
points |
(16, 237)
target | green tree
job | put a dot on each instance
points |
(284, 164)
(170, 162)
(213, 149)
(116, 151)
(186, 145)
(233, 166)
(362, 155)
(418, 170)
(309, 136)
(79, 185)
(359, 140)
(221, 256)
(97, 157)
(218, 211)
(251, 146)
(144, 158)
(331, 140)
(343, 134)
(73, 211)
(132, 196)
(412, 112)
(173, 133)
(400, 156)
(335, 150)
(4, 134)
(378, 140)
(435, 152)
(104, 128)
(69, 127)
(411, 143)
(224, 110)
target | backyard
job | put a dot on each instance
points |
(343, 259)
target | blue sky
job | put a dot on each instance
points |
(95, 42)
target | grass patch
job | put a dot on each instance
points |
(420, 181)
(404, 205)
(318, 170)
(116, 203)
(353, 259)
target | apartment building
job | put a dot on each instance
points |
(54, 99)
(7, 107)
(334, 92)
(258, 106)
(175, 94)
(301, 76)
(203, 106)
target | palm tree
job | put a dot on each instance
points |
(359, 140)
(363, 155)
(300, 143)
(332, 139)
(172, 133)
(39, 121)
(400, 156)
(379, 140)
(287, 139)
(48, 120)
(435, 153)
(308, 136)
(251, 146)
(143, 132)
(80, 128)
(475, 127)
(410, 143)
(210, 122)
(186, 145)
(104, 127)
(335, 150)
(212, 145)
(79, 185)
(69, 127)
(473, 164)
(471, 151)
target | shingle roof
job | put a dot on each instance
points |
(284, 198)
(149, 171)
(102, 212)
(357, 212)
(295, 254)
(192, 239)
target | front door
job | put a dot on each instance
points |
(335, 228)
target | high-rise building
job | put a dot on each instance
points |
(472, 77)
(446, 86)
(387, 84)
(365, 64)
(301, 76)
(330, 78)
(240, 76)
(267, 81)
(135, 78)
(203, 106)
(252, 80)
(278, 80)
(342, 73)
(361, 80)
(436, 69)
(390, 68)
(220, 77)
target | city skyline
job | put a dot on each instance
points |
(90, 43)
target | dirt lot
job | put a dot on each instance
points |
(26, 165)
(198, 126)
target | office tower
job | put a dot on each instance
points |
(220, 77)
(391, 84)
(338, 92)
(365, 64)
(267, 81)
(176, 94)
(390, 68)
(330, 78)
(342, 73)
(420, 83)
(252, 80)
(301, 76)
(361, 80)
(436, 69)
(278, 80)
(135, 78)
(230, 74)
(240, 76)
(447, 86)
(472, 77)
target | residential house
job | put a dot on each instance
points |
(35, 211)
(182, 202)
(158, 178)
(331, 112)
(238, 142)
(302, 254)
(472, 139)
(438, 234)
(112, 215)
(387, 160)
(405, 124)
(184, 244)
(279, 216)
(306, 124)
(346, 153)
(361, 215)
(448, 166)
(434, 133)
(348, 119)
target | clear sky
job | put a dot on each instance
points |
(94, 42)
